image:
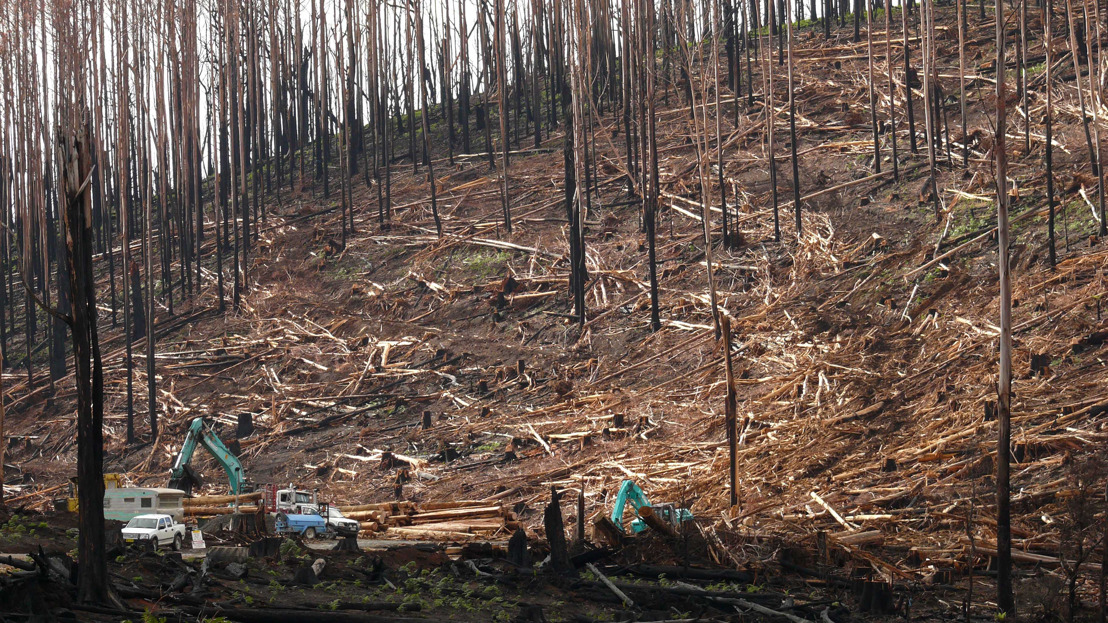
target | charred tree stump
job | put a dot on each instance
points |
(347, 544)
(556, 534)
(518, 554)
(581, 516)
(245, 426)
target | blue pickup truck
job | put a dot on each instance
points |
(309, 525)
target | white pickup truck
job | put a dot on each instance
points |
(161, 529)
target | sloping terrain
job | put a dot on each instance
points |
(864, 349)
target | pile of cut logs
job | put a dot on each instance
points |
(430, 520)
(205, 505)
(433, 520)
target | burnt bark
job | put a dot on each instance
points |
(92, 582)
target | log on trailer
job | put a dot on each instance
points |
(216, 500)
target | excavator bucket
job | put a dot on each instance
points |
(607, 531)
(187, 482)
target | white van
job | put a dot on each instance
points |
(126, 503)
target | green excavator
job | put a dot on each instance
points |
(183, 477)
(664, 518)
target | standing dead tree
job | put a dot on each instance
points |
(927, 27)
(961, 17)
(577, 116)
(771, 114)
(1075, 56)
(644, 27)
(1004, 598)
(1095, 103)
(418, 12)
(75, 164)
(502, 107)
(692, 56)
(909, 77)
(872, 90)
(93, 584)
(792, 115)
(1048, 130)
(892, 89)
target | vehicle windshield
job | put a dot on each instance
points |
(334, 513)
(303, 498)
(142, 522)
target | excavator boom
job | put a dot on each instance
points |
(662, 517)
(181, 475)
(628, 492)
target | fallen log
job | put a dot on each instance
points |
(216, 500)
(274, 615)
(363, 606)
(24, 565)
(395, 508)
(438, 506)
(869, 537)
(435, 535)
(377, 516)
(689, 573)
(459, 513)
(656, 522)
(27, 496)
(397, 520)
(1039, 559)
(618, 593)
(199, 511)
(465, 526)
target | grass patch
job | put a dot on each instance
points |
(486, 264)
(975, 219)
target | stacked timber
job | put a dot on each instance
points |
(207, 505)
(434, 520)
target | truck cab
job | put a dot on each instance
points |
(290, 501)
(160, 530)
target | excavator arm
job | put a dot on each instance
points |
(181, 475)
(628, 492)
(661, 517)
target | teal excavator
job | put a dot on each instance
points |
(183, 477)
(664, 518)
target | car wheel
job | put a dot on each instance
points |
(154, 543)
(309, 533)
(177, 540)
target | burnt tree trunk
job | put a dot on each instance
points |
(1048, 155)
(556, 534)
(1004, 597)
(92, 581)
(908, 81)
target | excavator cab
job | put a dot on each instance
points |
(669, 513)
(664, 518)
